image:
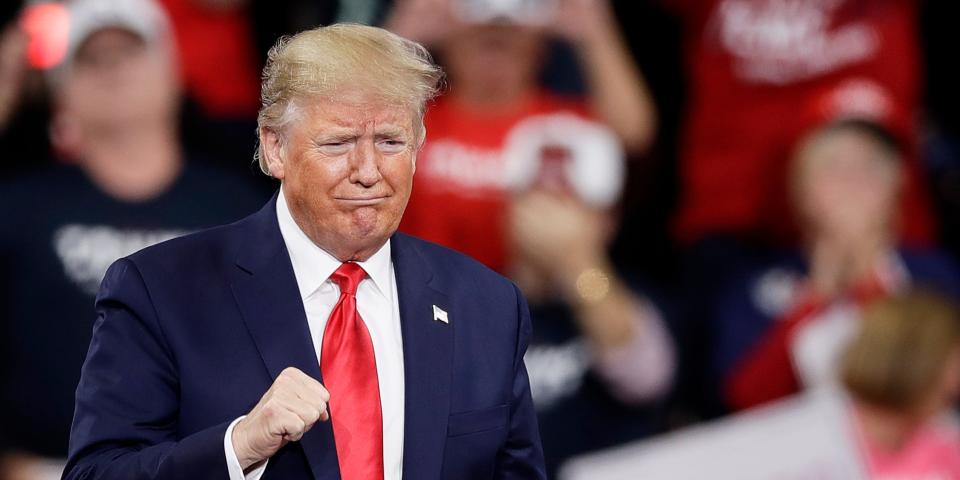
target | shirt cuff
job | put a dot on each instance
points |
(233, 464)
(43, 469)
(642, 370)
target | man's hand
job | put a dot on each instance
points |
(579, 21)
(292, 405)
(23, 466)
(558, 234)
(429, 22)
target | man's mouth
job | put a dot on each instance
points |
(363, 201)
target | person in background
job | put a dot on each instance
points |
(128, 184)
(216, 55)
(218, 68)
(600, 358)
(783, 327)
(525, 181)
(493, 57)
(751, 66)
(903, 374)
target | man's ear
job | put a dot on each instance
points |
(421, 139)
(413, 161)
(271, 148)
(66, 136)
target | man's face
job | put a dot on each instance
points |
(347, 170)
(499, 54)
(117, 79)
(848, 184)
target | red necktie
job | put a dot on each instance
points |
(350, 375)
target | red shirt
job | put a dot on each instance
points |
(767, 372)
(459, 193)
(755, 67)
(217, 60)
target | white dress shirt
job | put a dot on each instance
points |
(379, 308)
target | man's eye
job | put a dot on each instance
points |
(333, 148)
(393, 145)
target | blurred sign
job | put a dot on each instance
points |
(809, 437)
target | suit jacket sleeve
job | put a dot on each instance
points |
(126, 421)
(522, 455)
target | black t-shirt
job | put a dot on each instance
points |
(575, 410)
(58, 235)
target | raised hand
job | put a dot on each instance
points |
(289, 409)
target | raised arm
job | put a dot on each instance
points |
(618, 90)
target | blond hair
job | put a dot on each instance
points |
(902, 350)
(323, 62)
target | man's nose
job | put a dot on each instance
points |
(365, 169)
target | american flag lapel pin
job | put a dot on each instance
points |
(440, 315)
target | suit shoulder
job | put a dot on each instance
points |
(190, 251)
(451, 263)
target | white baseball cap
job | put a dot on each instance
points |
(143, 18)
(524, 12)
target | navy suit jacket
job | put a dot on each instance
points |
(192, 332)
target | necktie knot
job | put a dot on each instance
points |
(348, 277)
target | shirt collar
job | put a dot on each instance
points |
(313, 265)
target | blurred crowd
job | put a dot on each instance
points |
(710, 205)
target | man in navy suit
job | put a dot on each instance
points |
(309, 340)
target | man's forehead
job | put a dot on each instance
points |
(109, 37)
(349, 112)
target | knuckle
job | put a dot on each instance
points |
(266, 415)
(298, 425)
(270, 410)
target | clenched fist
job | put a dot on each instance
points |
(292, 405)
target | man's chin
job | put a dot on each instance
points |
(365, 240)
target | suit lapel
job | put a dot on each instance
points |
(266, 291)
(427, 359)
